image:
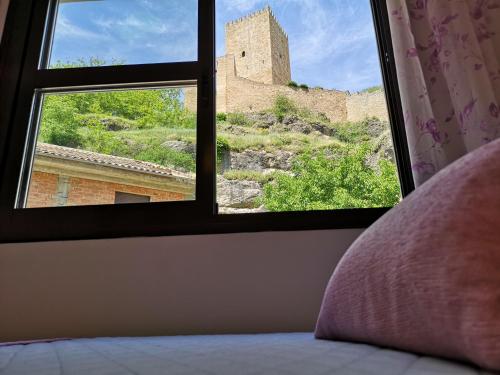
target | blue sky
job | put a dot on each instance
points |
(332, 42)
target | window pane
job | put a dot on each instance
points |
(301, 114)
(116, 32)
(114, 147)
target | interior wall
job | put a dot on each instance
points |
(260, 282)
(235, 283)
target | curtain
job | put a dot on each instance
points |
(448, 63)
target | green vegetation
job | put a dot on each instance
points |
(295, 85)
(372, 89)
(166, 156)
(237, 119)
(284, 106)
(320, 182)
(245, 175)
(221, 117)
(330, 165)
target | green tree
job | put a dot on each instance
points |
(321, 182)
(59, 124)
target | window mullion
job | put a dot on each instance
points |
(124, 75)
(206, 135)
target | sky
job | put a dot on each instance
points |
(332, 42)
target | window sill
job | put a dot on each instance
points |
(47, 224)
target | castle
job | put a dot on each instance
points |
(256, 69)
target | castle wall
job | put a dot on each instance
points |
(236, 94)
(243, 95)
(280, 53)
(256, 69)
(360, 106)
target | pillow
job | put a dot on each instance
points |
(426, 276)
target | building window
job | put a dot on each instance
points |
(98, 118)
(124, 198)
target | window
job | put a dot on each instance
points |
(116, 123)
(324, 143)
(121, 198)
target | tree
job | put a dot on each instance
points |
(322, 182)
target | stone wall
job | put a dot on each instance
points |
(237, 94)
(362, 105)
(260, 48)
(79, 191)
(280, 53)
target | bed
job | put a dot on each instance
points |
(289, 353)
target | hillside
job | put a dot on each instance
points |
(284, 158)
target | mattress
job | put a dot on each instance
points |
(280, 354)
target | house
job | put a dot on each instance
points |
(64, 176)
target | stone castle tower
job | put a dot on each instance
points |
(260, 49)
(256, 70)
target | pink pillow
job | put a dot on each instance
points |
(426, 276)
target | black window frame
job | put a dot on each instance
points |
(28, 21)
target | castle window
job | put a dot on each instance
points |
(243, 54)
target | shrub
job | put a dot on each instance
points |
(353, 132)
(372, 89)
(246, 175)
(167, 157)
(221, 117)
(283, 106)
(95, 137)
(222, 148)
(320, 182)
(293, 85)
(59, 125)
(237, 119)
(304, 87)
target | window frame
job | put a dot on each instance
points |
(20, 54)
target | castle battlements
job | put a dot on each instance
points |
(256, 69)
(257, 13)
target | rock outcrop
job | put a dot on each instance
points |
(237, 194)
(261, 160)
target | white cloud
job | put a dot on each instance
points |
(326, 33)
(65, 28)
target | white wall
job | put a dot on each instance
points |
(176, 285)
(260, 282)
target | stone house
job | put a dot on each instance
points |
(65, 176)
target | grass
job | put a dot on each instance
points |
(235, 133)
(246, 175)
(159, 135)
(372, 89)
(295, 142)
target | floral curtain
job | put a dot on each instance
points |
(448, 64)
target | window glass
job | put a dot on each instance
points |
(122, 198)
(111, 32)
(91, 145)
(302, 119)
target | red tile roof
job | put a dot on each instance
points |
(66, 153)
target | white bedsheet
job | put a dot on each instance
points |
(294, 353)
